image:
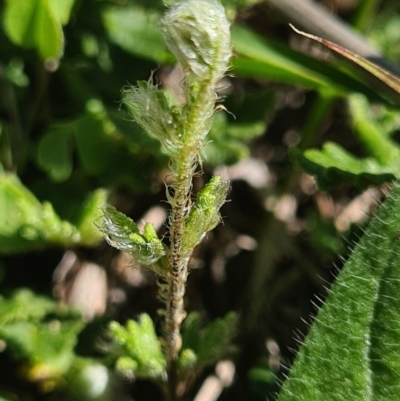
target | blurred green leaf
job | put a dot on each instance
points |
(264, 58)
(386, 35)
(324, 234)
(27, 224)
(25, 305)
(89, 213)
(46, 347)
(62, 9)
(93, 146)
(108, 147)
(227, 142)
(373, 127)
(372, 133)
(33, 24)
(352, 351)
(390, 80)
(191, 331)
(143, 356)
(44, 344)
(203, 346)
(217, 338)
(333, 165)
(55, 153)
(263, 380)
(136, 30)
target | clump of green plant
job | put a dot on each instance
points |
(197, 32)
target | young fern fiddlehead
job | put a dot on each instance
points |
(198, 34)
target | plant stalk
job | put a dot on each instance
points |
(182, 172)
(178, 260)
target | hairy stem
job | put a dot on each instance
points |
(178, 259)
(182, 171)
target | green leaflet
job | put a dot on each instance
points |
(204, 215)
(38, 24)
(122, 233)
(353, 349)
(142, 350)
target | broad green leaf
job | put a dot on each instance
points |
(352, 351)
(333, 165)
(143, 354)
(55, 153)
(33, 24)
(136, 30)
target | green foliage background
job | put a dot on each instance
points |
(67, 147)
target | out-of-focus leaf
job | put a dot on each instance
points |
(27, 224)
(93, 148)
(203, 346)
(47, 347)
(352, 351)
(373, 127)
(259, 57)
(92, 134)
(191, 331)
(54, 153)
(62, 8)
(390, 80)
(324, 234)
(33, 24)
(226, 142)
(385, 34)
(136, 30)
(108, 147)
(25, 305)
(90, 213)
(333, 165)
(44, 345)
(143, 355)
(263, 380)
(372, 134)
(216, 338)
